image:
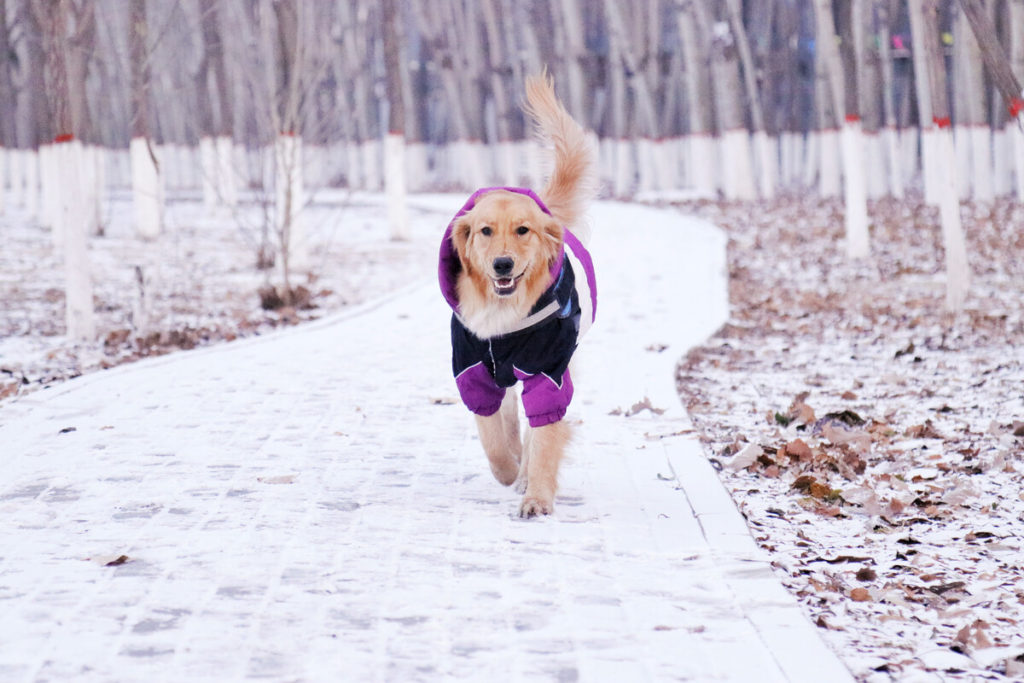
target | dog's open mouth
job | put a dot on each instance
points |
(505, 286)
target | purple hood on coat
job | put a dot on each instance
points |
(449, 267)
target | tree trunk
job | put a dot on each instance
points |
(995, 57)
(843, 79)
(735, 158)
(625, 69)
(288, 102)
(8, 101)
(926, 117)
(957, 271)
(972, 132)
(1015, 11)
(702, 172)
(64, 177)
(766, 167)
(394, 144)
(147, 185)
(218, 174)
(890, 131)
(999, 65)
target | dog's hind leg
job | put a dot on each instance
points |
(499, 435)
(546, 447)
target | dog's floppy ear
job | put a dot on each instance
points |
(460, 240)
(553, 233)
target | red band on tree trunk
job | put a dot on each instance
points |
(65, 137)
(942, 121)
(1016, 107)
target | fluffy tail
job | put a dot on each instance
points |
(571, 183)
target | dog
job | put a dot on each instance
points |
(522, 290)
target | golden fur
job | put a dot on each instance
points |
(506, 246)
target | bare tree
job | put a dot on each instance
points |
(394, 141)
(843, 78)
(702, 169)
(147, 190)
(763, 152)
(64, 175)
(215, 112)
(926, 21)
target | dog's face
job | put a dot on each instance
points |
(506, 245)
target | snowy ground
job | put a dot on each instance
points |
(874, 443)
(200, 285)
(313, 504)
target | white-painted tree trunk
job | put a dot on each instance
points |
(92, 188)
(929, 170)
(49, 184)
(506, 165)
(829, 174)
(682, 160)
(811, 168)
(536, 163)
(147, 190)
(470, 168)
(855, 189)
(372, 165)
(962, 150)
(646, 176)
(5, 175)
(289, 202)
(981, 163)
(911, 142)
(957, 271)
(32, 183)
(1002, 162)
(875, 168)
(702, 167)
(894, 157)
(208, 172)
(1018, 154)
(227, 174)
(17, 171)
(314, 166)
(394, 173)
(766, 153)
(666, 163)
(736, 164)
(73, 225)
(353, 166)
(170, 168)
(787, 160)
(418, 173)
(624, 168)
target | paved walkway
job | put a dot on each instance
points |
(313, 506)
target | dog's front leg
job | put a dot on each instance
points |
(546, 447)
(499, 435)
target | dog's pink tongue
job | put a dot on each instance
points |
(505, 282)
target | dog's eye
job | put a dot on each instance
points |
(522, 230)
(486, 231)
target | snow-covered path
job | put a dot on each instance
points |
(314, 505)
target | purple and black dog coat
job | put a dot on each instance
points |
(537, 353)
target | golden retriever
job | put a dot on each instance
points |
(522, 289)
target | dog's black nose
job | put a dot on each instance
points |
(503, 265)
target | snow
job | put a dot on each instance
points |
(901, 536)
(313, 504)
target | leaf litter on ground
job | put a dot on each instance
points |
(912, 474)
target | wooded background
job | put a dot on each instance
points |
(654, 79)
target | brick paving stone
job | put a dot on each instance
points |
(313, 506)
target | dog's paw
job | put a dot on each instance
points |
(532, 506)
